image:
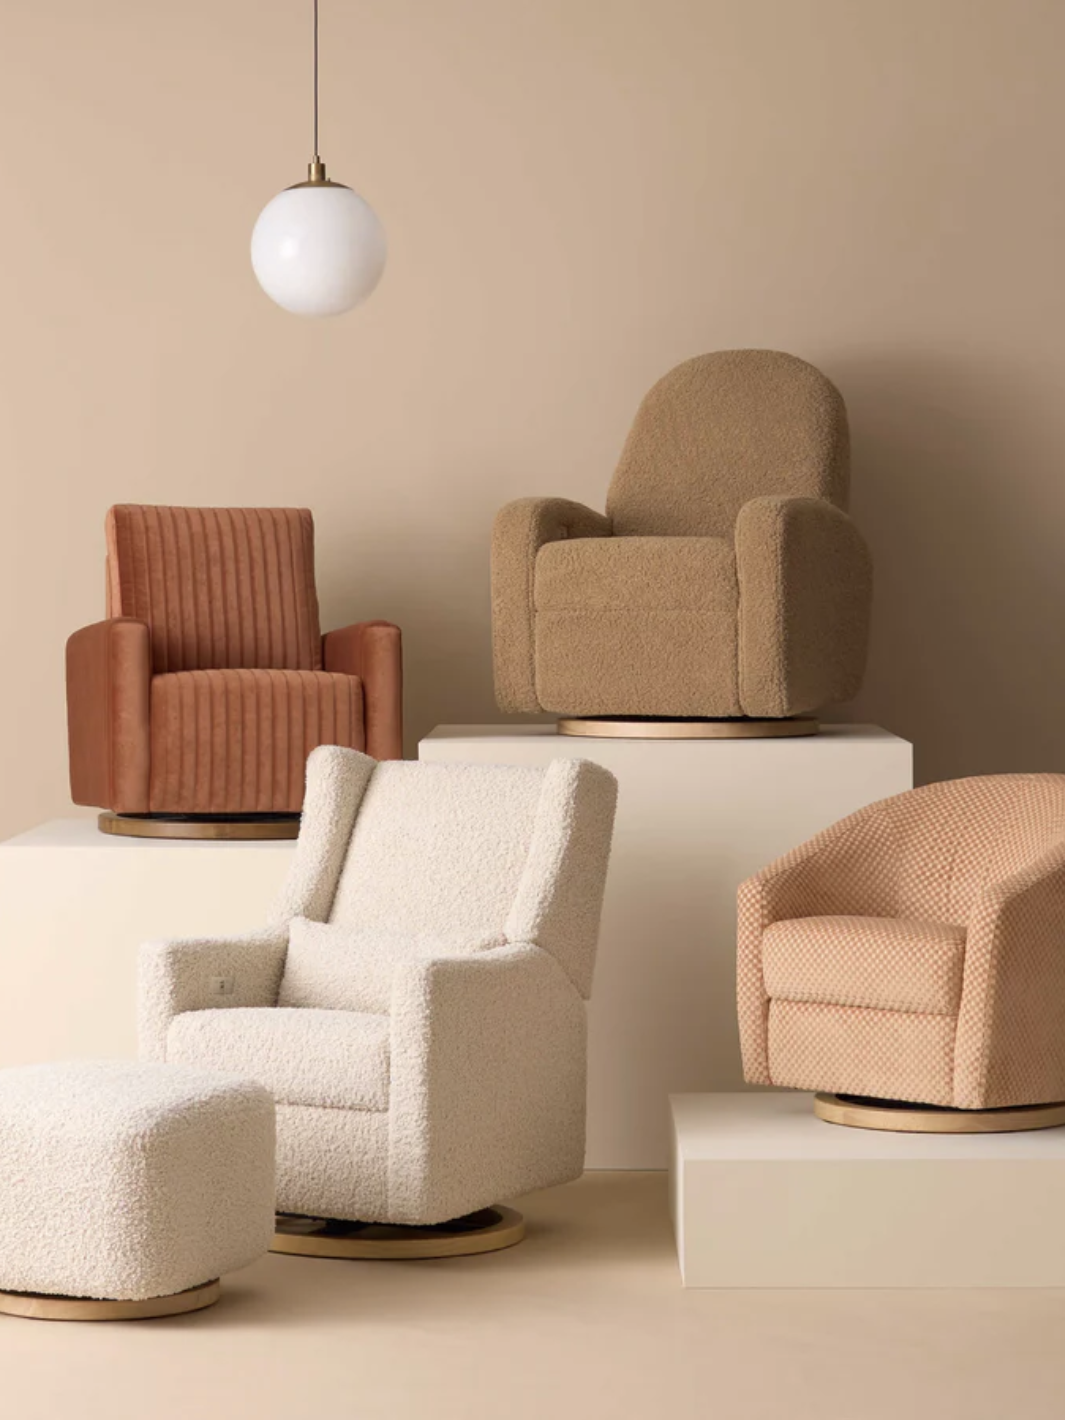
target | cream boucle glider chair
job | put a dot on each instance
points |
(915, 952)
(416, 1003)
(726, 582)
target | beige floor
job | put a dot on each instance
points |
(587, 1318)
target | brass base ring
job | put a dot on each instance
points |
(39, 1306)
(635, 727)
(859, 1112)
(487, 1230)
(212, 826)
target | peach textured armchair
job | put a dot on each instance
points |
(726, 579)
(209, 683)
(915, 951)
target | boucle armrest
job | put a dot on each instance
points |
(1013, 989)
(202, 974)
(521, 529)
(488, 1070)
(806, 585)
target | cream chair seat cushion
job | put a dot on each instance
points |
(125, 1181)
(327, 1059)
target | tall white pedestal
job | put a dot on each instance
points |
(75, 904)
(695, 817)
(766, 1195)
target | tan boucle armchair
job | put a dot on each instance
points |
(726, 579)
(915, 951)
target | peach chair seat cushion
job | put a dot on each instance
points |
(325, 1059)
(237, 741)
(885, 963)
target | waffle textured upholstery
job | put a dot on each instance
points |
(209, 683)
(124, 1181)
(416, 1002)
(726, 578)
(915, 950)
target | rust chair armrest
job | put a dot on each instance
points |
(373, 651)
(108, 684)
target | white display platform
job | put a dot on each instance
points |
(766, 1195)
(75, 904)
(695, 817)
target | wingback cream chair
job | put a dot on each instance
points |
(915, 952)
(416, 1004)
(726, 580)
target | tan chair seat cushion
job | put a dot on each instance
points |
(237, 741)
(883, 963)
(328, 1059)
(637, 626)
(648, 573)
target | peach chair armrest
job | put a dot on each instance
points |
(201, 974)
(1010, 1044)
(373, 651)
(488, 1071)
(806, 584)
(108, 687)
(521, 529)
(833, 873)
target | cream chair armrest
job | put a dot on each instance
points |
(1013, 988)
(202, 974)
(521, 529)
(488, 1069)
(806, 585)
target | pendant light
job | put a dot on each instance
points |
(318, 248)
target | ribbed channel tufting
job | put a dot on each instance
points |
(218, 587)
(237, 741)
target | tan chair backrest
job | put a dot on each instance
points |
(220, 588)
(722, 429)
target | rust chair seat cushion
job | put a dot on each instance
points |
(237, 741)
(881, 963)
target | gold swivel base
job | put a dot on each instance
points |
(39, 1307)
(488, 1230)
(859, 1112)
(236, 826)
(635, 727)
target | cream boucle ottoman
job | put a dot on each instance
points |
(126, 1189)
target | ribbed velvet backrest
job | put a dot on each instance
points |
(722, 429)
(219, 587)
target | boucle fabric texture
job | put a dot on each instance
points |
(332, 968)
(126, 1181)
(915, 950)
(726, 579)
(209, 683)
(465, 1083)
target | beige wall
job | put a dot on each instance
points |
(578, 193)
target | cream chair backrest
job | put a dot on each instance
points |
(722, 429)
(456, 852)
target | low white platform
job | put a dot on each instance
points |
(695, 817)
(75, 904)
(766, 1195)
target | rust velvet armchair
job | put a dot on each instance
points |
(208, 684)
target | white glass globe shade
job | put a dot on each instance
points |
(318, 249)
